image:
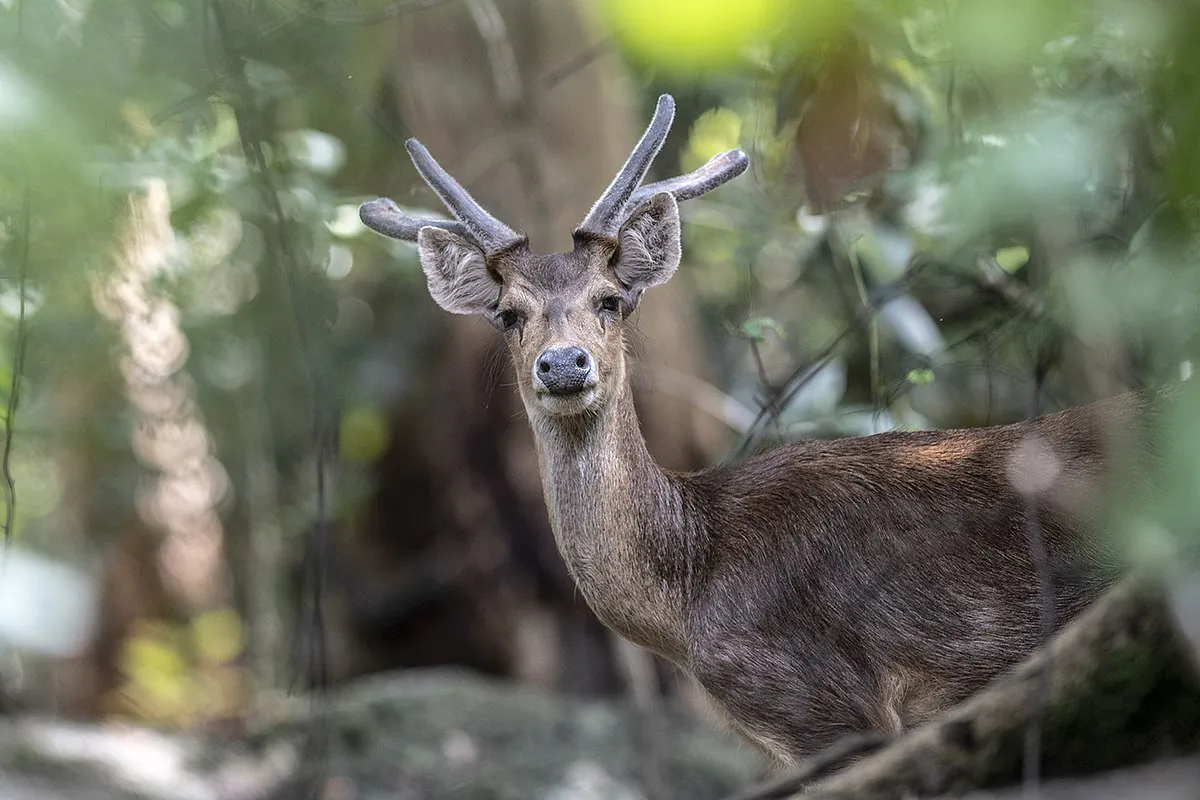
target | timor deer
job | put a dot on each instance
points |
(813, 590)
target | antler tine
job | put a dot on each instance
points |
(490, 233)
(719, 169)
(605, 217)
(384, 216)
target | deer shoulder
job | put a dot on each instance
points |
(871, 583)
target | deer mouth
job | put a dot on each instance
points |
(565, 402)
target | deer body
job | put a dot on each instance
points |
(815, 590)
(825, 588)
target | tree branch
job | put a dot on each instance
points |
(1120, 690)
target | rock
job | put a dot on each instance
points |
(408, 736)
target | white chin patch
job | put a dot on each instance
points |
(568, 404)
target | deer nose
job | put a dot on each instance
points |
(564, 370)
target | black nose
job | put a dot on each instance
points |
(565, 370)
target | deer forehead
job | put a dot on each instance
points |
(556, 282)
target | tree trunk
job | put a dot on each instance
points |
(470, 81)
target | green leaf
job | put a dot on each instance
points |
(715, 131)
(364, 434)
(1012, 259)
(756, 328)
(920, 377)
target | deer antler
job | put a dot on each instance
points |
(607, 214)
(474, 222)
(605, 218)
(623, 195)
(384, 216)
(719, 169)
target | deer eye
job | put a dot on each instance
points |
(612, 303)
(508, 318)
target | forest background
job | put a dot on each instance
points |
(246, 456)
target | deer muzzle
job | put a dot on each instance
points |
(564, 371)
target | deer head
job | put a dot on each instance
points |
(563, 314)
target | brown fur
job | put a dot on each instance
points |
(815, 590)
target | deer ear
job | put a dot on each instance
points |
(456, 271)
(649, 248)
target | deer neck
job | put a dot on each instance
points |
(619, 522)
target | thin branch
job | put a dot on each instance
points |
(1046, 619)
(829, 760)
(18, 366)
(513, 98)
(576, 64)
(637, 669)
(805, 372)
(703, 395)
(855, 267)
(980, 743)
(278, 26)
(769, 391)
(993, 277)
(389, 12)
(266, 535)
(799, 378)
(14, 388)
(251, 125)
(250, 128)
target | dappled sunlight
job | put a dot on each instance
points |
(185, 483)
(46, 607)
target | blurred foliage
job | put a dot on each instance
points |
(704, 38)
(954, 206)
(945, 197)
(184, 675)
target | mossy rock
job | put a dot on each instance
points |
(455, 735)
(416, 735)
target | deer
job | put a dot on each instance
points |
(816, 589)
